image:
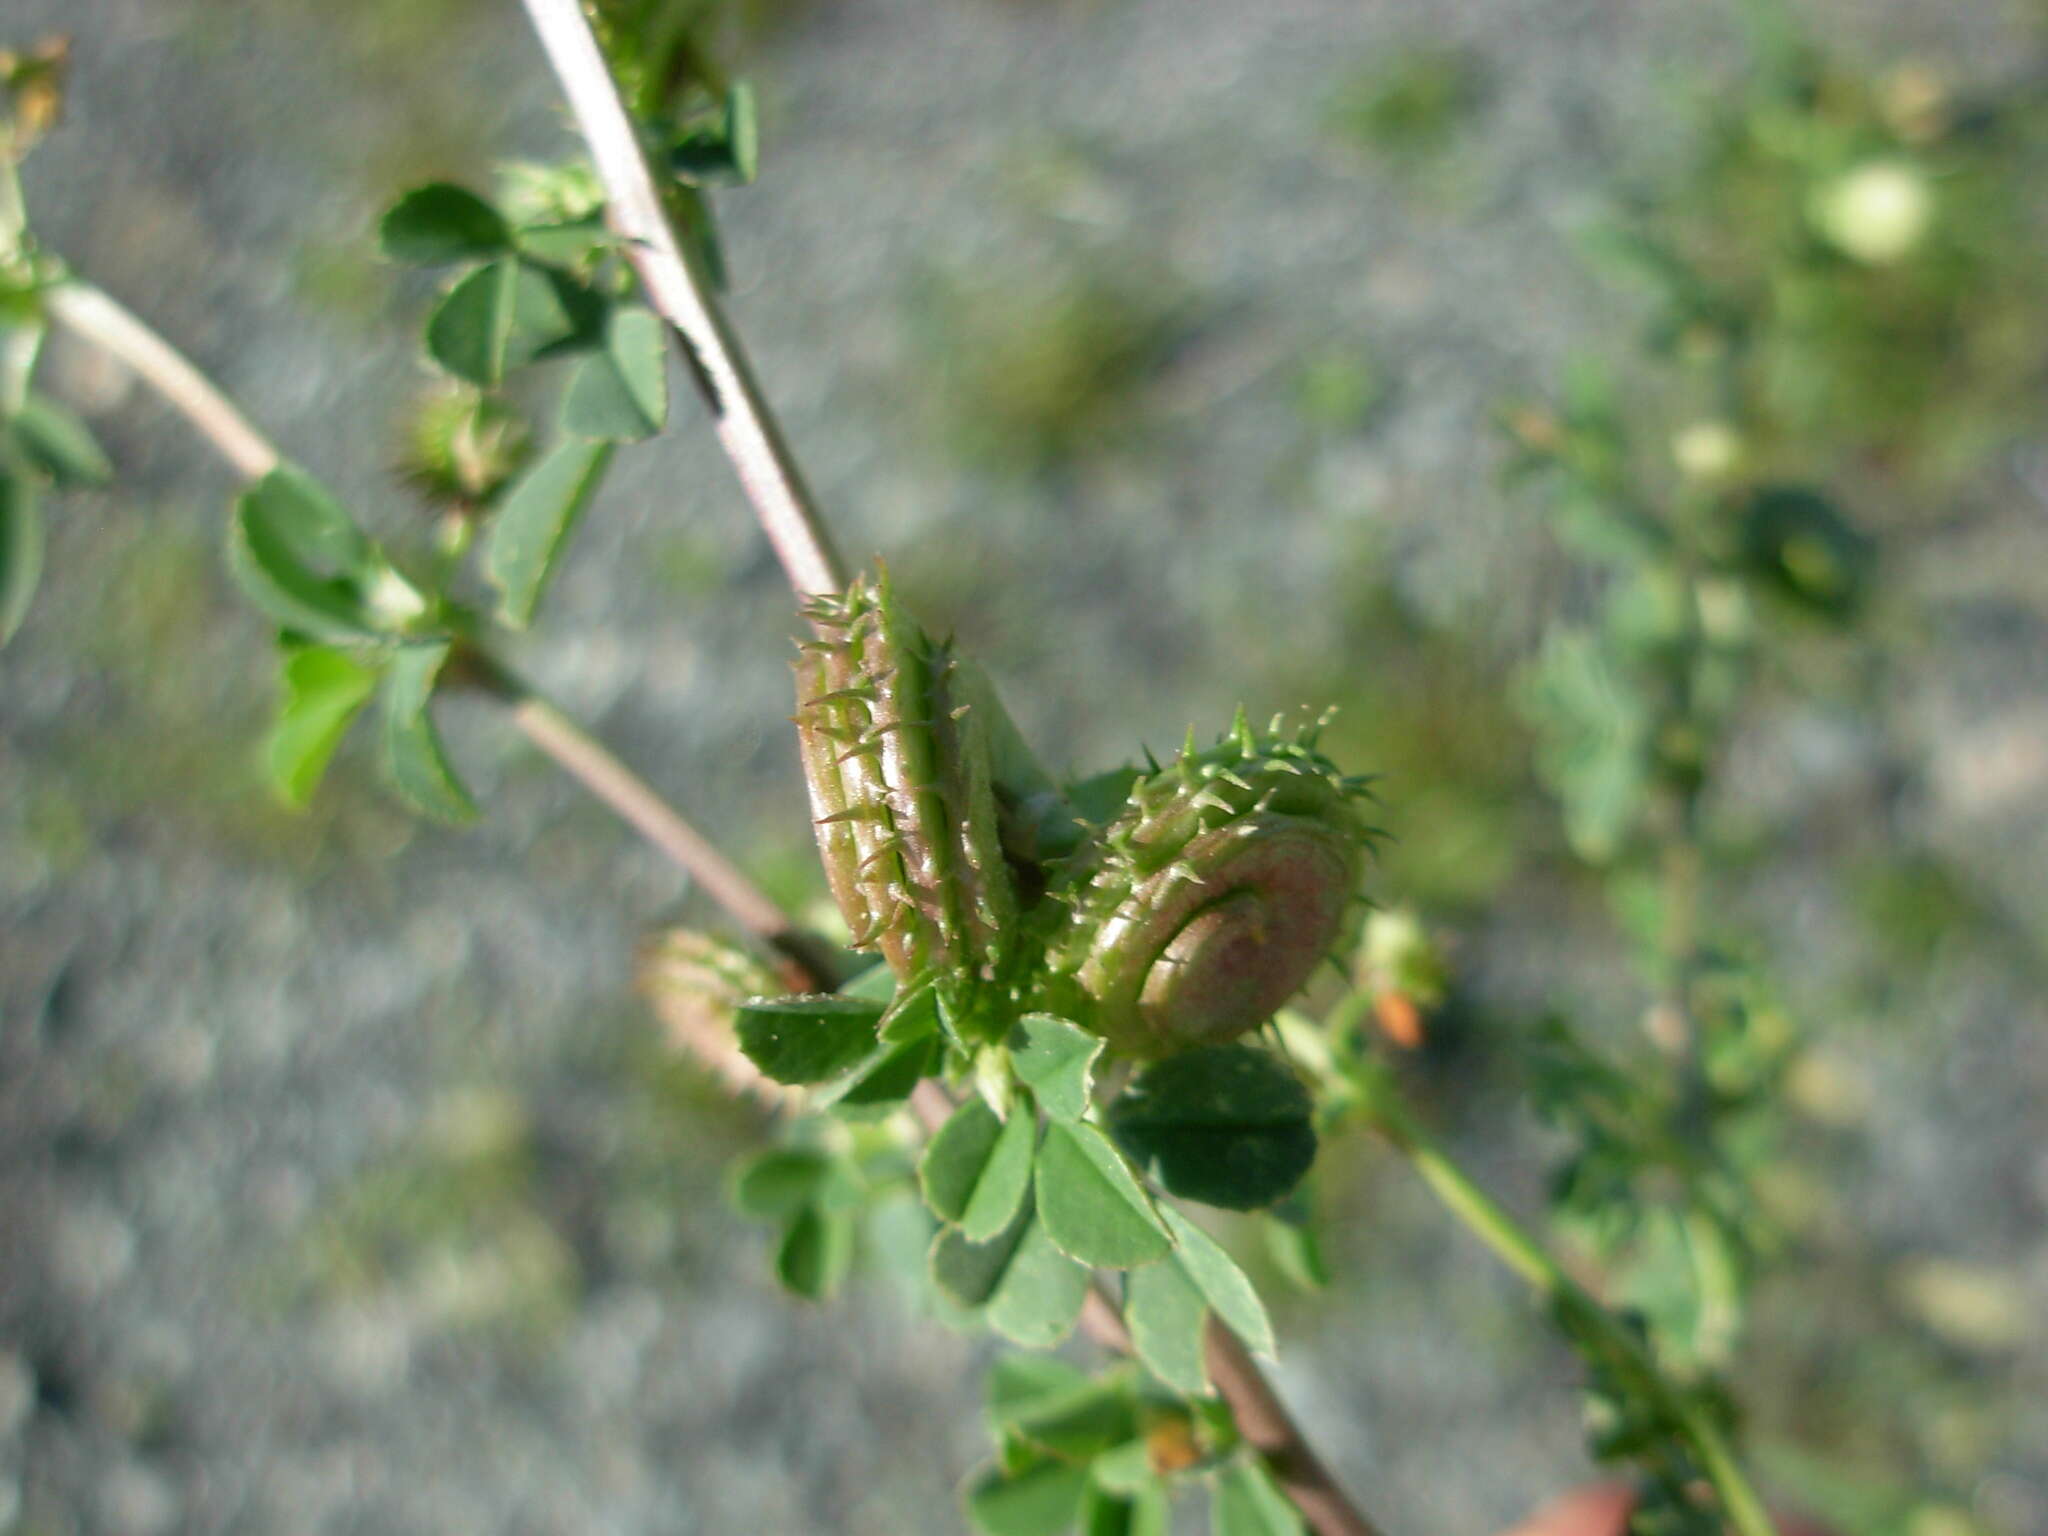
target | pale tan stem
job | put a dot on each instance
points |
(98, 318)
(636, 802)
(678, 288)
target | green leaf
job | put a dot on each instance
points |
(412, 746)
(700, 234)
(743, 130)
(324, 690)
(298, 512)
(506, 314)
(1060, 1410)
(913, 1012)
(1298, 1252)
(1093, 1207)
(1126, 1470)
(1056, 1061)
(954, 1158)
(806, 1039)
(21, 551)
(1594, 727)
(724, 150)
(468, 331)
(440, 223)
(1040, 1499)
(1165, 1313)
(975, 1171)
(1227, 1289)
(887, 1075)
(576, 243)
(55, 440)
(621, 393)
(776, 1184)
(816, 1252)
(1147, 1512)
(1039, 1296)
(297, 555)
(1226, 1125)
(999, 1191)
(1248, 1502)
(969, 1272)
(1017, 1386)
(532, 526)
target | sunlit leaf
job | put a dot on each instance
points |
(324, 689)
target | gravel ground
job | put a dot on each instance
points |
(233, 1038)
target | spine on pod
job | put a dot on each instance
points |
(900, 777)
(1209, 898)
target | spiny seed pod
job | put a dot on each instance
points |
(898, 763)
(1210, 897)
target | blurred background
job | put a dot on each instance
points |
(1172, 351)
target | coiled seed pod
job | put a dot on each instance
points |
(1208, 900)
(898, 765)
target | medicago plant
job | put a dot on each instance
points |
(1081, 1022)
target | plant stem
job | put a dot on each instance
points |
(809, 963)
(97, 317)
(678, 288)
(1519, 1251)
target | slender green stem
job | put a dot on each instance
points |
(1519, 1251)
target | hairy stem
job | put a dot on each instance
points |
(678, 288)
(1519, 1251)
(808, 962)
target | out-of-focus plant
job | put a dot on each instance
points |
(1849, 258)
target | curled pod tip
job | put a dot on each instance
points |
(1213, 894)
(898, 766)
